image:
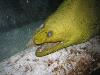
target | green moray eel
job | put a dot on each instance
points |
(74, 22)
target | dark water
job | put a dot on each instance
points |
(17, 13)
(16, 40)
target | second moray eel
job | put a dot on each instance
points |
(74, 22)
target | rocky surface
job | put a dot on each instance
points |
(75, 60)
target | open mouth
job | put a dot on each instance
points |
(45, 46)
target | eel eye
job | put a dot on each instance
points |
(49, 34)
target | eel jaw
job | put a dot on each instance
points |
(46, 48)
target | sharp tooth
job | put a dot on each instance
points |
(62, 42)
(39, 46)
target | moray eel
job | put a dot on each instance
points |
(74, 22)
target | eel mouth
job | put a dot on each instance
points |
(46, 46)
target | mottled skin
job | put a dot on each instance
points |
(72, 23)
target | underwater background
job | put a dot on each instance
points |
(18, 21)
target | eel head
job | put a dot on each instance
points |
(48, 40)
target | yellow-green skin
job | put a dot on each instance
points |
(72, 23)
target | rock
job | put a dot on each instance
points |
(75, 60)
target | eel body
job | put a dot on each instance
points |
(74, 22)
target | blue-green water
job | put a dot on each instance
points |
(15, 40)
